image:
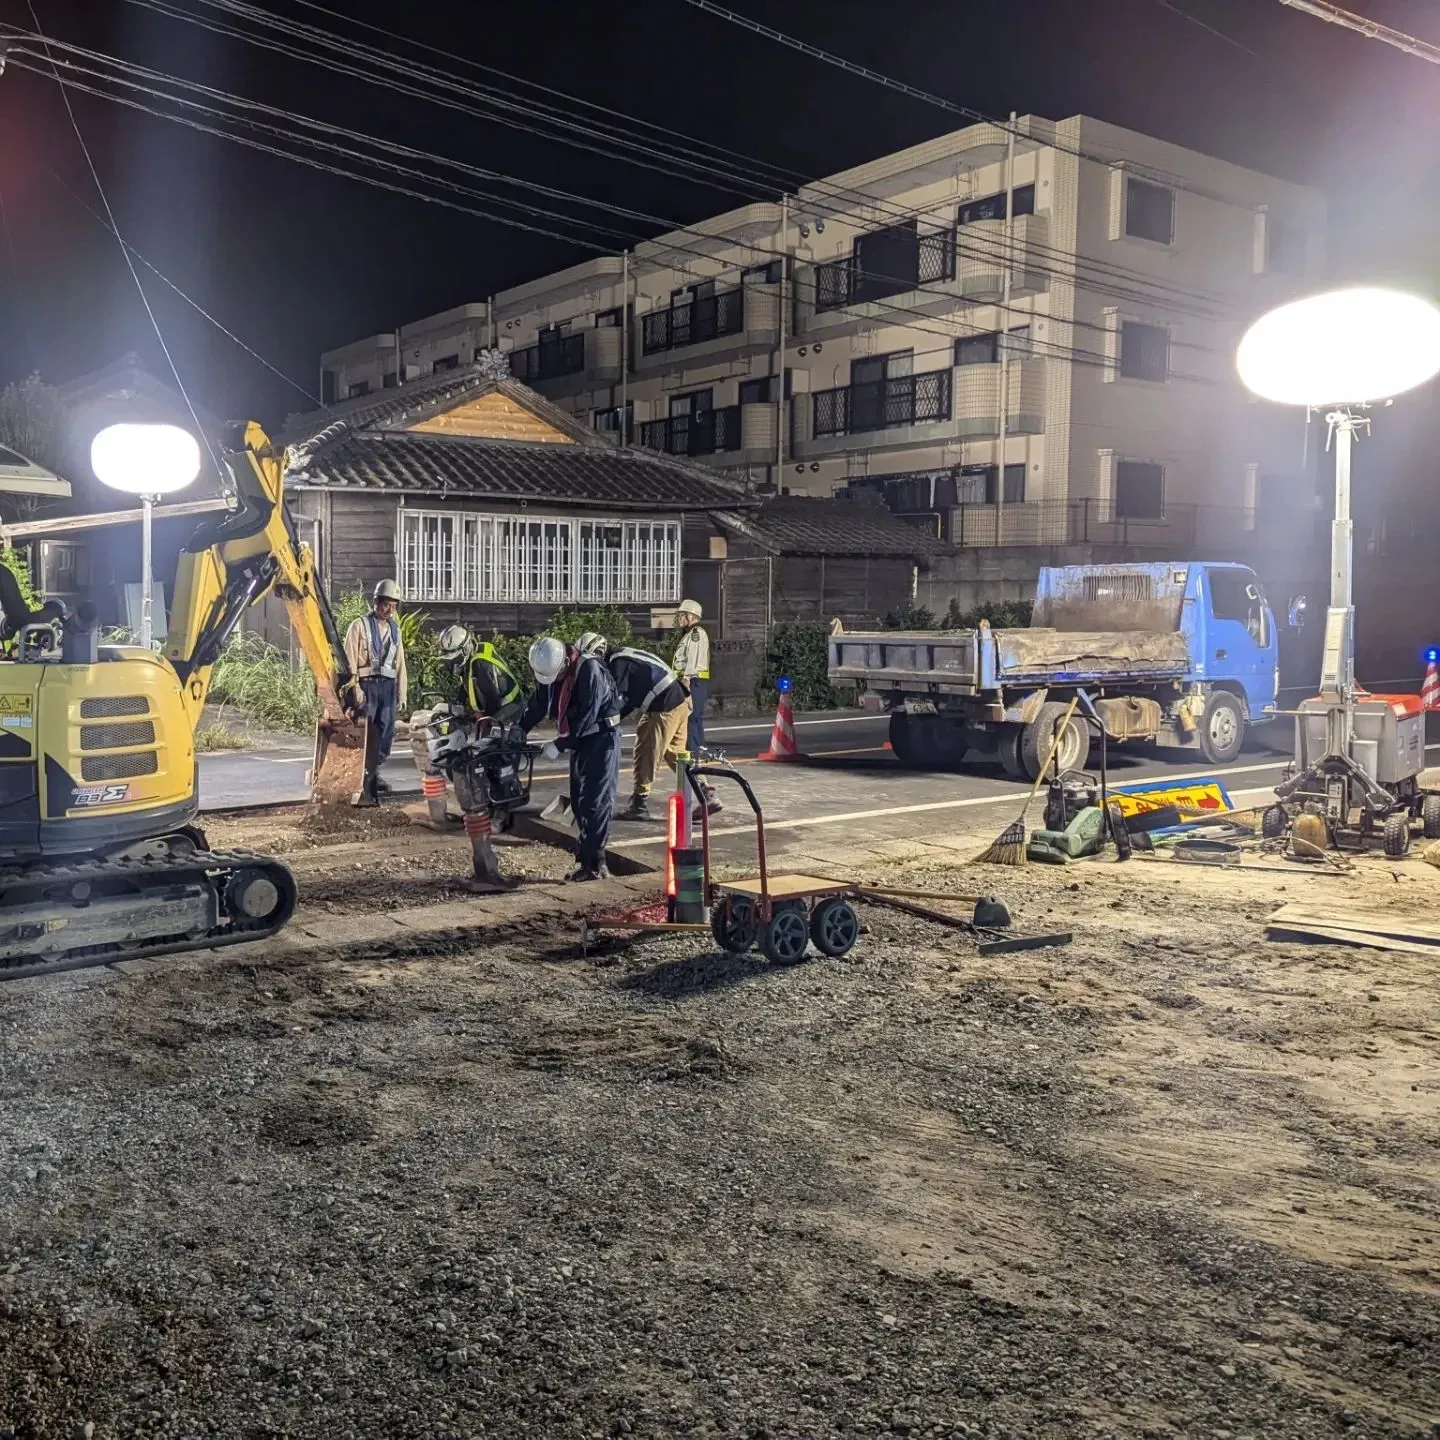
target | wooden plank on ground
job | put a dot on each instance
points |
(1300, 933)
(1359, 921)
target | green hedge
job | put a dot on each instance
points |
(802, 653)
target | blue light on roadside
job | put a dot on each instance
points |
(784, 684)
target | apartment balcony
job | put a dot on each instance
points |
(568, 364)
(734, 435)
(930, 408)
(729, 324)
(953, 267)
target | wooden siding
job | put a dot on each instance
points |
(493, 417)
(859, 591)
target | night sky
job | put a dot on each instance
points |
(295, 261)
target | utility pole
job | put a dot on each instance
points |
(779, 367)
(1003, 340)
(625, 351)
(1323, 10)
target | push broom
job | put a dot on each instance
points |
(1008, 848)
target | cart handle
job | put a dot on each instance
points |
(691, 772)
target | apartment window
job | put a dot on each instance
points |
(610, 319)
(1139, 490)
(607, 421)
(991, 347)
(887, 262)
(761, 274)
(1284, 247)
(1149, 211)
(992, 207)
(755, 392)
(388, 380)
(359, 388)
(1144, 352)
(977, 484)
(541, 560)
(448, 362)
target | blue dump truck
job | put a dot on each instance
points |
(1181, 653)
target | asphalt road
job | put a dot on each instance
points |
(851, 784)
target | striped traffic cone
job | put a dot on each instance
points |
(782, 734)
(1430, 690)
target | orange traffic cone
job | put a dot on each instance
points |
(1430, 690)
(782, 735)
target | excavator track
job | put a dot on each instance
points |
(98, 910)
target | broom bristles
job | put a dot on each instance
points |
(1008, 848)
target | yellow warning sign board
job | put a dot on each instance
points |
(1202, 796)
(17, 704)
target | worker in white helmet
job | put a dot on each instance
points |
(692, 665)
(376, 656)
(576, 692)
(488, 690)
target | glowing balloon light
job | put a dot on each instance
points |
(145, 459)
(1345, 347)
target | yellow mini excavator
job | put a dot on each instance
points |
(100, 860)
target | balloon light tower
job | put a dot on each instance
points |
(1339, 353)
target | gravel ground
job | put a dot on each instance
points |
(1170, 1180)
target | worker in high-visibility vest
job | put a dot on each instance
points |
(692, 665)
(375, 653)
(488, 690)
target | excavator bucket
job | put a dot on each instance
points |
(339, 771)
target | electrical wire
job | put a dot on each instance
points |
(124, 250)
(904, 317)
(167, 281)
(376, 61)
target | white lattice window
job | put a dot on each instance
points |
(537, 560)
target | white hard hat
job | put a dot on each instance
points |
(689, 607)
(547, 659)
(455, 643)
(593, 643)
(387, 590)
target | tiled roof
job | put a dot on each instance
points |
(803, 525)
(369, 444)
(498, 470)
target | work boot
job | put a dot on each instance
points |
(382, 786)
(638, 809)
(580, 874)
(712, 804)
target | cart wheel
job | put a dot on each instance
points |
(1274, 822)
(1430, 817)
(787, 936)
(1397, 835)
(834, 927)
(732, 922)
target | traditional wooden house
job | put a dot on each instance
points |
(491, 506)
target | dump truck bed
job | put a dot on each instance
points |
(970, 661)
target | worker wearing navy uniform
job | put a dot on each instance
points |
(692, 665)
(577, 692)
(649, 687)
(376, 656)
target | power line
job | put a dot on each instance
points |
(125, 251)
(1160, 177)
(1209, 29)
(1372, 29)
(376, 61)
(903, 317)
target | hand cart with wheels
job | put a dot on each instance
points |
(782, 913)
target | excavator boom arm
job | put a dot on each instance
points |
(233, 562)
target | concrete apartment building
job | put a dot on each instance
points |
(1057, 303)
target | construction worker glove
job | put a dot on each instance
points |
(551, 751)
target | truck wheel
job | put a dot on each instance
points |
(1430, 816)
(902, 737)
(1009, 751)
(1396, 836)
(1037, 737)
(1222, 728)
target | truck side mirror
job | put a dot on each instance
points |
(1297, 612)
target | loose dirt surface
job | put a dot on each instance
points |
(1170, 1180)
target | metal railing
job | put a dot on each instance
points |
(1181, 529)
(711, 432)
(882, 404)
(704, 317)
(549, 359)
(839, 283)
